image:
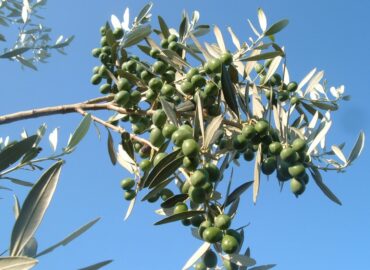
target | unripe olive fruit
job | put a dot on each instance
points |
(296, 170)
(180, 207)
(127, 183)
(159, 118)
(299, 145)
(212, 235)
(130, 195)
(297, 187)
(222, 221)
(155, 84)
(190, 148)
(187, 87)
(199, 177)
(292, 86)
(275, 148)
(197, 194)
(229, 244)
(210, 258)
(288, 155)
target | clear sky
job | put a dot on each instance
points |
(306, 233)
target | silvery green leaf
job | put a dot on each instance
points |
(257, 174)
(183, 29)
(219, 38)
(79, 133)
(111, 152)
(16, 207)
(196, 256)
(30, 249)
(237, 193)
(273, 67)
(17, 263)
(136, 36)
(179, 216)
(15, 52)
(211, 129)
(276, 27)
(201, 30)
(320, 136)
(206, 55)
(144, 12)
(40, 133)
(358, 147)
(169, 110)
(97, 266)
(240, 260)
(34, 208)
(115, 22)
(339, 153)
(234, 38)
(164, 27)
(53, 139)
(262, 19)
(306, 79)
(318, 180)
(262, 56)
(125, 160)
(14, 152)
(130, 208)
(26, 62)
(18, 181)
(253, 28)
(195, 17)
(70, 237)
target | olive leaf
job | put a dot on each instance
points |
(219, 38)
(97, 266)
(197, 255)
(137, 35)
(79, 133)
(14, 152)
(30, 249)
(257, 173)
(276, 27)
(34, 208)
(15, 52)
(183, 29)
(229, 91)
(199, 122)
(111, 151)
(237, 193)
(240, 260)
(318, 180)
(171, 202)
(144, 12)
(159, 173)
(262, 56)
(154, 192)
(70, 237)
(169, 110)
(211, 129)
(164, 27)
(17, 263)
(179, 216)
(358, 147)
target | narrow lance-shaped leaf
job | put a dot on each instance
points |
(357, 149)
(262, 19)
(111, 151)
(197, 255)
(169, 111)
(164, 27)
(80, 132)
(144, 12)
(179, 216)
(15, 52)
(211, 129)
(14, 152)
(70, 237)
(136, 36)
(171, 202)
(17, 263)
(257, 174)
(34, 208)
(318, 180)
(237, 193)
(276, 27)
(263, 267)
(229, 91)
(219, 38)
(97, 266)
(16, 207)
(263, 56)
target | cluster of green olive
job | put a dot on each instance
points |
(127, 185)
(287, 160)
(276, 89)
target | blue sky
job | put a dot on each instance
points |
(308, 233)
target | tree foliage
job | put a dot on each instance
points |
(187, 112)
